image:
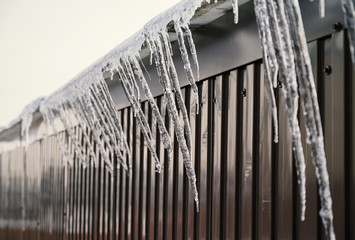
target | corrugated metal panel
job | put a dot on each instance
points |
(247, 184)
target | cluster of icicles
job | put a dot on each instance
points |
(86, 101)
(287, 59)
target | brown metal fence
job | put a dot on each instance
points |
(247, 184)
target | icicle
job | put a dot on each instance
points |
(82, 125)
(286, 65)
(27, 117)
(91, 110)
(312, 115)
(178, 94)
(266, 38)
(102, 88)
(163, 109)
(186, 61)
(82, 120)
(349, 19)
(268, 50)
(150, 52)
(78, 149)
(140, 116)
(155, 110)
(108, 127)
(88, 113)
(192, 50)
(25, 128)
(235, 11)
(145, 69)
(158, 54)
(49, 120)
(87, 98)
(322, 8)
(131, 77)
(270, 90)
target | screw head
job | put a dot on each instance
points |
(327, 70)
(337, 26)
(244, 92)
(279, 84)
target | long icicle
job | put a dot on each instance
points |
(108, 127)
(192, 50)
(186, 61)
(176, 86)
(287, 71)
(322, 8)
(103, 89)
(148, 94)
(49, 120)
(157, 49)
(267, 50)
(312, 115)
(94, 122)
(72, 135)
(82, 125)
(235, 11)
(140, 116)
(349, 19)
(93, 107)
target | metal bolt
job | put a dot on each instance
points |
(214, 100)
(244, 92)
(337, 26)
(327, 70)
(279, 84)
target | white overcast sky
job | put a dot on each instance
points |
(45, 43)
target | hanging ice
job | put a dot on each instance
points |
(26, 118)
(168, 80)
(281, 41)
(91, 106)
(235, 11)
(349, 19)
(269, 56)
(85, 103)
(312, 115)
(277, 22)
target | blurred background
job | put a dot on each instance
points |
(45, 43)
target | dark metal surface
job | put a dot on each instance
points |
(222, 45)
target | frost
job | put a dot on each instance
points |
(349, 19)
(277, 22)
